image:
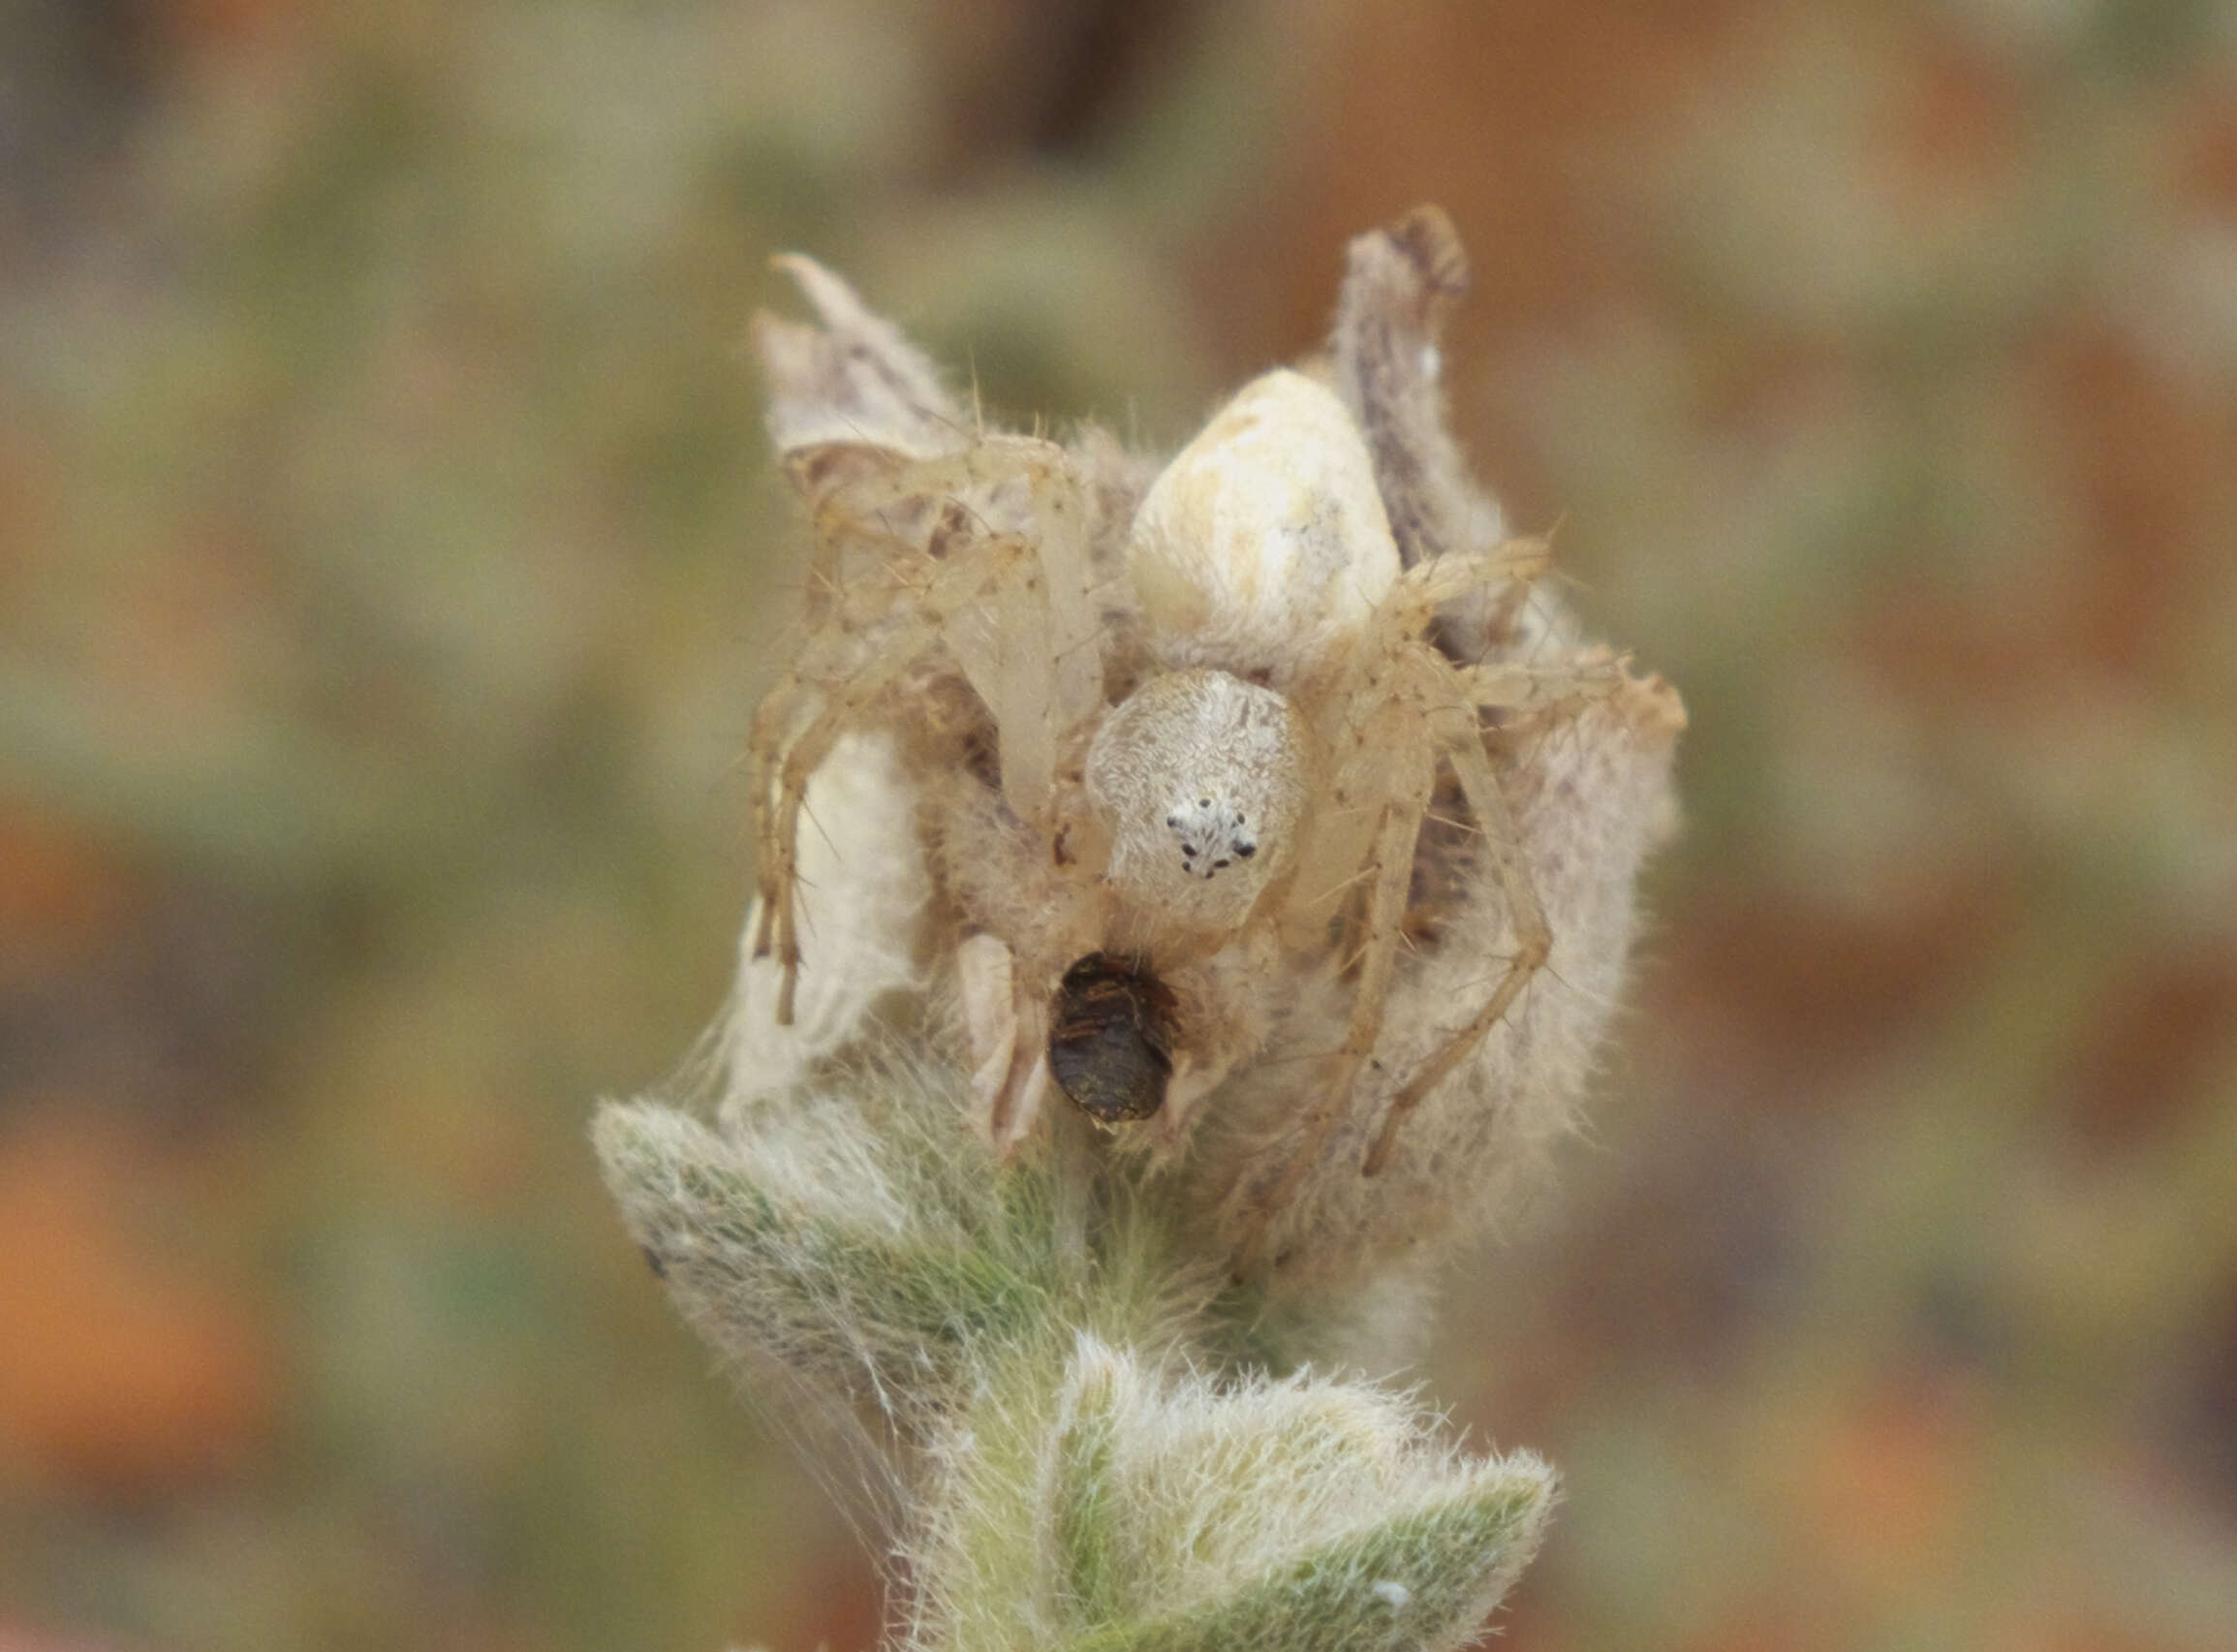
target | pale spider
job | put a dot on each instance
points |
(1206, 741)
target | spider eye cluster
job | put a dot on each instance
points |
(1212, 835)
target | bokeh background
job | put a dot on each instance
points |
(389, 561)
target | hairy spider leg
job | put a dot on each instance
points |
(833, 478)
(1035, 657)
(840, 613)
(1526, 562)
(878, 497)
(1408, 682)
(1513, 685)
(1039, 669)
(1533, 938)
(956, 585)
(1390, 873)
(1358, 747)
(1442, 579)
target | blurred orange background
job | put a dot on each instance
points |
(389, 561)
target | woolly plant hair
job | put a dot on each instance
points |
(1095, 1421)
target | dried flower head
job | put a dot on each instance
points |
(1293, 728)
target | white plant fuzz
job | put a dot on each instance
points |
(1045, 1351)
(1267, 798)
(1141, 1507)
(864, 891)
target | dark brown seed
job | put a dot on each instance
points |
(1111, 1043)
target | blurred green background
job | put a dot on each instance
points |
(389, 561)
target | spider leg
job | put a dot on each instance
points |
(1517, 685)
(834, 478)
(954, 587)
(1392, 869)
(1533, 938)
(1037, 662)
(1045, 668)
(1008, 1036)
(1411, 606)
(764, 744)
(1337, 834)
(1497, 623)
(1075, 629)
(1355, 731)
(838, 614)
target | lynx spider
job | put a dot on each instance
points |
(1315, 617)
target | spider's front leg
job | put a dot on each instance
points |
(960, 582)
(1033, 656)
(838, 618)
(1048, 678)
(1525, 691)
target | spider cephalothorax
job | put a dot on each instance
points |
(1200, 779)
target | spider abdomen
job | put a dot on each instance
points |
(1265, 546)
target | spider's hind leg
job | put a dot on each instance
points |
(1532, 937)
(1390, 874)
